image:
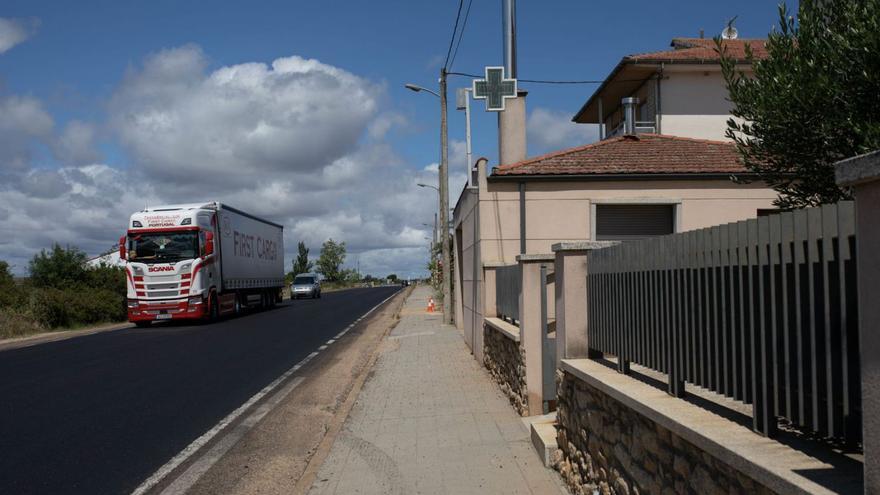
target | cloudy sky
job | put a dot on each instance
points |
(292, 110)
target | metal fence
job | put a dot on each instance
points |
(508, 287)
(763, 311)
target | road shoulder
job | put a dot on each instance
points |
(58, 335)
(276, 453)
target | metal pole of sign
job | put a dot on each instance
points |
(508, 13)
(463, 102)
(467, 126)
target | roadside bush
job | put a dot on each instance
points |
(53, 308)
(17, 323)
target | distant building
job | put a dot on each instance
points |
(111, 259)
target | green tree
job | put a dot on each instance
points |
(6, 279)
(331, 258)
(59, 267)
(392, 277)
(812, 101)
(302, 264)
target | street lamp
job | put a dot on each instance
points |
(429, 185)
(417, 88)
(442, 190)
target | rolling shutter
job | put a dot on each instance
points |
(628, 222)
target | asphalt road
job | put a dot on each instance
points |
(100, 413)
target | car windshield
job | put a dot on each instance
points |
(303, 280)
(163, 247)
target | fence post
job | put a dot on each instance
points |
(530, 327)
(862, 173)
(570, 261)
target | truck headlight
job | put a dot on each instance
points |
(132, 304)
(195, 300)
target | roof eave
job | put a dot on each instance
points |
(619, 177)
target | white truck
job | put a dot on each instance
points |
(177, 269)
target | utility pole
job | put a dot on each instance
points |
(444, 201)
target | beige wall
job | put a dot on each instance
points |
(560, 211)
(467, 310)
(693, 102)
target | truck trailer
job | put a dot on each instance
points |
(200, 261)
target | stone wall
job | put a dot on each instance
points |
(505, 360)
(607, 447)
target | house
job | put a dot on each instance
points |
(679, 92)
(667, 168)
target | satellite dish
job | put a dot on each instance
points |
(730, 32)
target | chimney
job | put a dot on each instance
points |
(512, 130)
(629, 115)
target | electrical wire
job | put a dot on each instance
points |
(543, 81)
(454, 31)
(467, 14)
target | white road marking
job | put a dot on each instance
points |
(189, 477)
(193, 473)
(322, 347)
(331, 341)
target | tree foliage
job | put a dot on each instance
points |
(331, 259)
(812, 102)
(58, 267)
(302, 264)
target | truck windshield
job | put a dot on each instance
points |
(163, 247)
(304, 280)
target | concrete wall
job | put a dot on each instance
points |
(694, 103)
(609, 447)
(468, 310)
(561, 211)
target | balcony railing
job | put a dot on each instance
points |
(642, 127)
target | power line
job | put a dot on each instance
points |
(454, 31)
(544, 81)
(467, 14)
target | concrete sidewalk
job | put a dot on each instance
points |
(430, 420)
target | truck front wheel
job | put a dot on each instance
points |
(214, 309)
(142, 324)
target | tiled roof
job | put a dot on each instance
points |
(702, 50)
(641, 154)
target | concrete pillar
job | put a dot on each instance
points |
(512, 130)
(571, 297)
(489, 309)
(862, 173)
(530, 336)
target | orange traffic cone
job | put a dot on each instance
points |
(430, 305)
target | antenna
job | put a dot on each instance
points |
(730, 32)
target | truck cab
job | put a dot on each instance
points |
(170, 264)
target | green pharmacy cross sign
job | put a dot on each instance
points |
(494, 89)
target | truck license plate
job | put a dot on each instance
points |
(163, 317)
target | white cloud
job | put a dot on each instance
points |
(76, 145)
(242, 122)
(23, 122)
(285, 141)
(13, 32)
(384, 123)
(550, 130)
(434, 168)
